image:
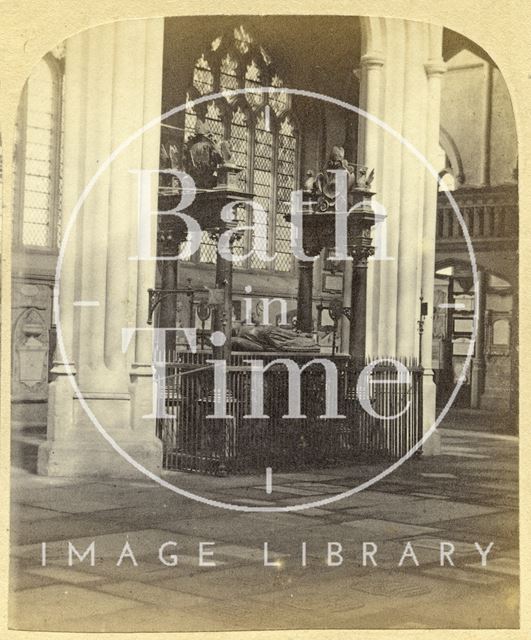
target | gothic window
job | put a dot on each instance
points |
(207, 250)
(38, 188)
(262, 181)
(264, 140)
(287, 178)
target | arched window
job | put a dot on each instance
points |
(38, 157)
(264, 140)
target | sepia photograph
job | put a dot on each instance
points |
(264, 369)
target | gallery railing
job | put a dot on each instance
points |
(488, 213)
(194, 442)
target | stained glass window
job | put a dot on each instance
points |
(240, 140)
(263, 182)
(252, 80)
(203, 78)
(213, 118)
(229, 69)
(190, 119)
(242, 39)
(279, 101)
(59, 200)
(263, 137)
(39, 157)
(286, 183)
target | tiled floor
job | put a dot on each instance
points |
(467, 495)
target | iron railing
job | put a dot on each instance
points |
(194, 442)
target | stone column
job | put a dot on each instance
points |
(358, 321)
(305, 297)
(435, 69)
(167, 248)
(140, 364)
(414, 178)
(382, 76)
(405, 96)
(105, 103)
(477, 381)
(61, 394)
(369, 154)
(222, 312)
(168, 307)
(344, 322)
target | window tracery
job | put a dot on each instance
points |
(264, 140)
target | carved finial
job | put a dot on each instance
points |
(202, 128)
(360, 177)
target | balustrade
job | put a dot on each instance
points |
(487, 213)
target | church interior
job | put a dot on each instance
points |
(435, 87)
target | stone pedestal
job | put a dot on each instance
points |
(75, 447)
(432, 446)
(92, 459)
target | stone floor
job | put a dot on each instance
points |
(467, 495)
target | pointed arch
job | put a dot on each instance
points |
(454, 157)
(264, 136)
(372, 35)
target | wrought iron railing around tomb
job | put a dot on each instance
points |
(193, 442)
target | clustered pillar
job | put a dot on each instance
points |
(402, 67)
(104, 105)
